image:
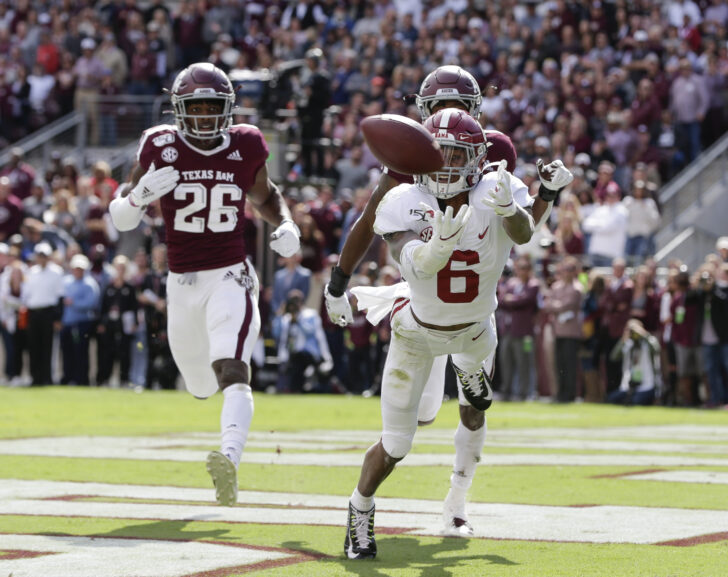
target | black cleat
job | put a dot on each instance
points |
(360, 543)
(476, 388)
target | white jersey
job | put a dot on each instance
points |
(465, 289)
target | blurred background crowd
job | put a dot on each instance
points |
(626, 93)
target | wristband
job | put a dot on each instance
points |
(547, 194)
(338, 282)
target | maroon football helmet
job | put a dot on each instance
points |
(463, 147)
(202, 81)
(449, 83)
(500, 147)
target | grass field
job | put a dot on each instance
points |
(110, 483)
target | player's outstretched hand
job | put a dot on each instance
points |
(154, 184)
(447, 229)
(286, 239)
(500, 198)
(339, 308)
(554, 175)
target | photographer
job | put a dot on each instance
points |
(714, 332)
(640, 353)
(302, 345)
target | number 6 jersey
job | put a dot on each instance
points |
(464, 290)
(203, 215)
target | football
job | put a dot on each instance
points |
(402, 144)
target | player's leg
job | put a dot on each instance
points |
(233, 324)
(405, 372)
(433, 393)
(470, 434)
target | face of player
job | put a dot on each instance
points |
(455, 157)
(206, 114)
(442, 104)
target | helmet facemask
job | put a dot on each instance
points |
(460, 173)
(189, 124)
(425, 104)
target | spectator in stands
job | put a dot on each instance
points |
(518, 301)
(713, 292)
(689, 102)
(80, 304)
(643, 218)
(20, 174)
(645, 302)
(616, 304)
(639, 352)
(65, 87)
(88, 72)
(42, 105)
(312, 244)
(607, 227)
(684, 311)
(291, 275)
(11, 210)
(302, 346)
(563, 302)
(42, 294)
(721, 246)
(352, 172)
(117, 323)
(313, 99)
(113, 59)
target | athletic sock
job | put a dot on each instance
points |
(235, 418)
(361, 502)
(468, 446)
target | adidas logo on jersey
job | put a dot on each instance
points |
(234, 155)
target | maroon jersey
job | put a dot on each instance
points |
(203, 215)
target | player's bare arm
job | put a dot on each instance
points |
(519, 227)
(267, 199)
(362, 233)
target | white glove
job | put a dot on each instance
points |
(430, 257)
(555, 175)
(286, 239)
(500, 198)
(339, 308)
(326, 366)
(154, 184)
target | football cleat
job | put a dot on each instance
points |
(476, 388)
(454, 518)
(359, 542)
(225, 478)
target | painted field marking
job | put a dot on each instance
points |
(62, 556)
(710, 477)
(598, 524)
(181, 448)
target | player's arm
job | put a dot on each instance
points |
(268, 200)
(554, 178)
(517, 221)
(132, 197)
(356, 244)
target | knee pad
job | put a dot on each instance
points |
(476, 387)
(396, 445)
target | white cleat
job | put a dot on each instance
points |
(225, 477)
(455, 520)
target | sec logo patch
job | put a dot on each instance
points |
(170, 154)
(426, 234)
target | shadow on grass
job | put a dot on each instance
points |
(438, 559)
(164, 530)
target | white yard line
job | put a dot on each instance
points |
(599, 524)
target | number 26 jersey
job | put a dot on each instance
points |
(203, 215)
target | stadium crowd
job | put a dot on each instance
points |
(625, 93)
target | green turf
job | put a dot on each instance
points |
(58, 411)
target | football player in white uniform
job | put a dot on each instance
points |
(202, 170)
(451, 234)
(447, 86)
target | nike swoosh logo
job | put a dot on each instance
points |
(452, 235)
(475, 338)
(481, 236)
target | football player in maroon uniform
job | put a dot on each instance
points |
(446, 87)
(202, 170)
